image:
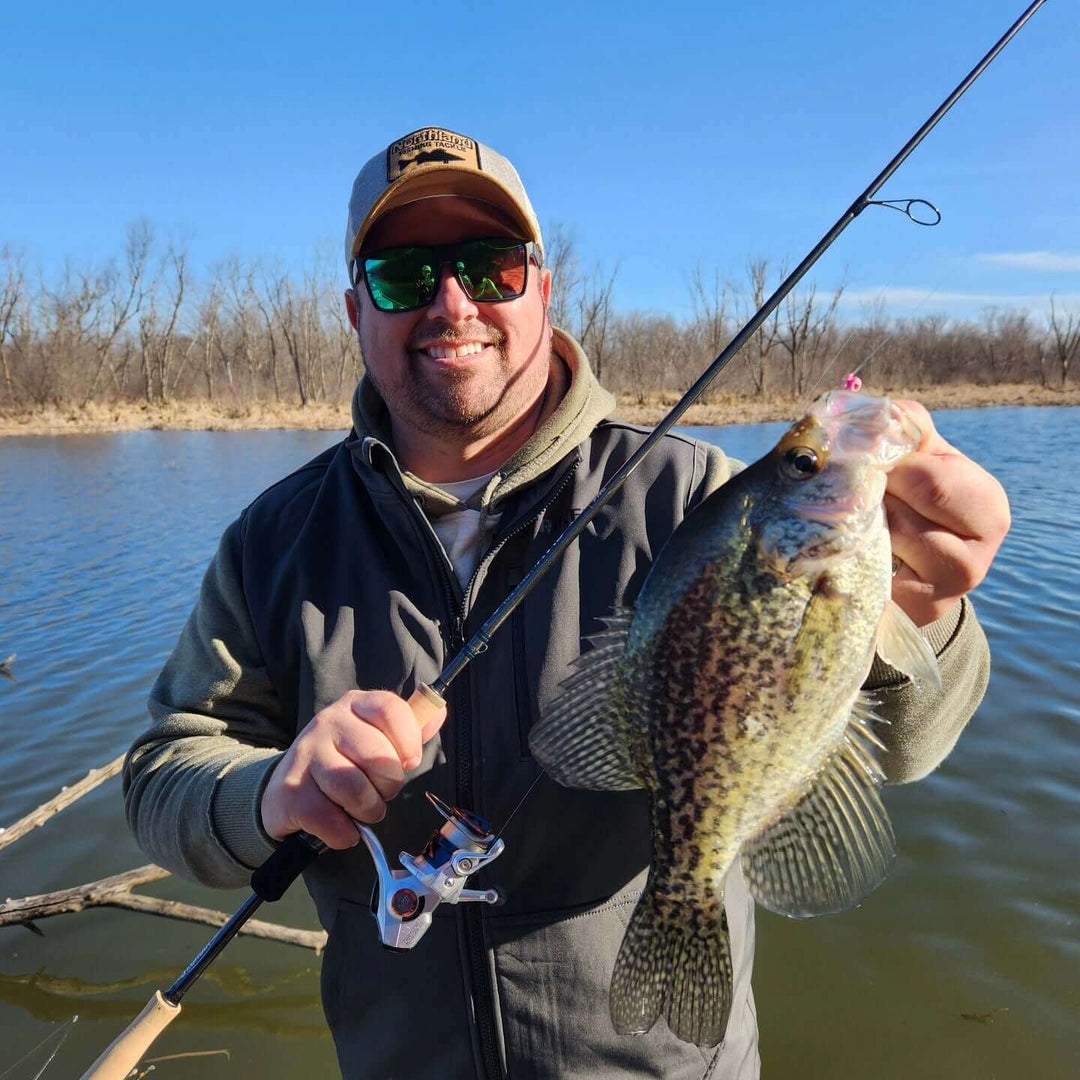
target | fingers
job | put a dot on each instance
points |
(348, 762)
(296, 802)
(936, 567)
(935, 554)
(393, 717)
(954, 492)
(362, 791)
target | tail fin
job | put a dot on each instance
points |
(675, 961)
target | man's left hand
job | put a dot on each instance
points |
(947, 518)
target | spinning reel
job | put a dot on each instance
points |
(403, 901)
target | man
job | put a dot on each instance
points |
(478, 433)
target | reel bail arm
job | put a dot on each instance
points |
(403, 901)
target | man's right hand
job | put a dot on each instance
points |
(347, 763)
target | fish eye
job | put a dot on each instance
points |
(800, 463)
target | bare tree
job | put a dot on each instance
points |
(560, 252)
(805, 331)
(208, 332)
(286, 305)
(80, 334)
(12, 297)
(593, 323)
(173, 283)
(710, 299)
(1005, 342)
(1064, 334)
(764, 338)
(122, 299)
(345, 348)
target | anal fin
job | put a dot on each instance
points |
(836, 845)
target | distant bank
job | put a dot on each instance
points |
(720, 409)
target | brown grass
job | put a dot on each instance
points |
(734, 409)
(176, 416)
(721, 409)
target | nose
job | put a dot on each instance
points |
(450, 301)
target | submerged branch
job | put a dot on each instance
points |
(116, 891)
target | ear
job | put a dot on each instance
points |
(352, 308)
(545, 286)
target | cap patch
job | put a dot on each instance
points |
(430, 146)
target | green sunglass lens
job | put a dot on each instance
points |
(401, 280)
(404, 279)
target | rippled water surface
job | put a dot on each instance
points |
(963, 965)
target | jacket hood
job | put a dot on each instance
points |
(566, 424)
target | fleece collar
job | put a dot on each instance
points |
(565, 424)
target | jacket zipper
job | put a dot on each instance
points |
(472, 917)
(484, 1004)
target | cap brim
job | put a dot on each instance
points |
(436, 180)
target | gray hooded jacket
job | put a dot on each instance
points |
(334, 579)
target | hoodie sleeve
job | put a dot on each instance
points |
(923, 725)
(193, 781)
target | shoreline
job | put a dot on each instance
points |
(722, 409)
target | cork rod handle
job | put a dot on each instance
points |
(126, 1050)
(426, 704)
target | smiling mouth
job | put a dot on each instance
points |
(453, 352)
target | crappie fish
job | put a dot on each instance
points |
(732, 693)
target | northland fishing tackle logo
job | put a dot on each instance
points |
(430, 146)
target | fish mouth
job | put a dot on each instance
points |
(862, 425)
(828, 513)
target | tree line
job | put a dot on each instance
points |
(140, 327)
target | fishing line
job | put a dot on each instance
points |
(905, 207)
(61, 1034)
(521, 803)
(885, 337)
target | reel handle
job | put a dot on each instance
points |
(298, 852)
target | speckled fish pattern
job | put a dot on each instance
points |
(731, 700)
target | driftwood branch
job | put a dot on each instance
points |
(287, 935)
(58, 802)
(116, 891)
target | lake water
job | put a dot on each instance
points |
(964, 964)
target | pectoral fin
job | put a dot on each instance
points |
(584, 740)
(900, 645)
(836, 845)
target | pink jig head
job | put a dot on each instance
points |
(852, 382)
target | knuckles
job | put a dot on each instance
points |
(966, 575)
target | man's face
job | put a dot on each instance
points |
(455, 367)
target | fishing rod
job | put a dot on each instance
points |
(405, 898)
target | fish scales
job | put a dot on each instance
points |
(736, 703)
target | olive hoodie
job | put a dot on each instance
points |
(334, 579)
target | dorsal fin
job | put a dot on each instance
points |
(583, 738)
(836, 845)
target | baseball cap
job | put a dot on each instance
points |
(431, 162)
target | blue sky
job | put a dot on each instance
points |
(662, 136)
